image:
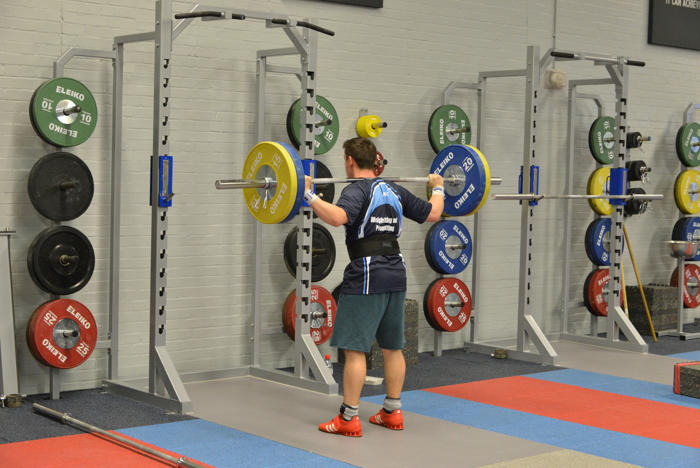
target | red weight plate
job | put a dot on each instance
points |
(62, 333)
(596, 281)
(379, 164)
(288, 315)
(691, 298)
(448, 317)
(426, 308)
(322, 300)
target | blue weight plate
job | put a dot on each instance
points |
(426, 248)
(464, 162)
(685, 229)
(445, 236)
(300, 180)
(596, 239)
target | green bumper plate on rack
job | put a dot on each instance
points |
(326, 126)
(448, 125)
(688, 144)
(601, 139)
(63, 112)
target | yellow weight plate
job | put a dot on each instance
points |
(270, 159)
(487, 172)
(685, 191)
(599, 184)
(364, 126)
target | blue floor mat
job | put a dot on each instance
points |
(223, 446)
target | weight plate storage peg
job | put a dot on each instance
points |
(322, 252)
(599, 184)
(448, 125)
(691, 285)
(598, 241)
(60, 186)
(322, 309)
(601, 139)
(448, 247)
(62, 333)
(63, 112)
(281, 201)
(472, 174)
(688, 144)
(449, 304)
(687, 191)
(687, 229)
(595, 292)
(61, 260)
(326, 125)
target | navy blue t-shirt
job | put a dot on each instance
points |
(374, 206)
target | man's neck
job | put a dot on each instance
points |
(364, 174)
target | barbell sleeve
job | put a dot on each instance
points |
(535, 196)
(65, 418)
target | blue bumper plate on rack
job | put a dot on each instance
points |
(598, 241)
(685, 229)
(300, 180)
(448, 247)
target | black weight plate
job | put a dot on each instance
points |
(336, 292)
(322, 253)
(61, 260)
(585, 292)
(60, 186)
(635, 207)
(325, 191)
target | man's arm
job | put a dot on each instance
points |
(328, 212)
(437, 197)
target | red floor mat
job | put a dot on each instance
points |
(83, 450)
(655, 420)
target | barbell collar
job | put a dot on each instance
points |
(535, 196)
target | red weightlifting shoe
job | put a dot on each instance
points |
(393, 420)
(338, 425)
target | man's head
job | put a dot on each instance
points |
(363, 152)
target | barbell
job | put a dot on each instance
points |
(273, 182)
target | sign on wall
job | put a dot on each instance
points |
(367, 3)
(675, 23)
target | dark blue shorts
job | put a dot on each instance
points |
(362, 317)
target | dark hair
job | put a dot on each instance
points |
(362, 151)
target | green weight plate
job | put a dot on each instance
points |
(601, 139)
(63, 112)
(688, 144)
(326, 122)
(448, 125)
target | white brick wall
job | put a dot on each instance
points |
(396, 61)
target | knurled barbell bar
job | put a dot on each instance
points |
(540, 196)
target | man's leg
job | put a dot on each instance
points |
(394, 372)
(354, 376)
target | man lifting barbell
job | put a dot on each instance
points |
(371, 302)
